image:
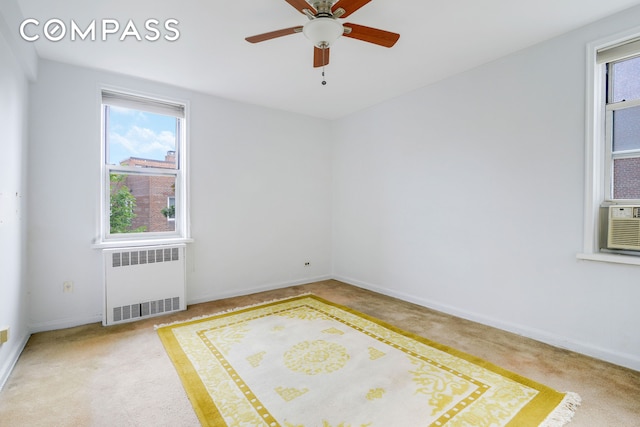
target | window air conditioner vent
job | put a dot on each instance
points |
(624, 227)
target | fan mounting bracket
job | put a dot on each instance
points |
(322, 6)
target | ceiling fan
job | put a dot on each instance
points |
(323, 27)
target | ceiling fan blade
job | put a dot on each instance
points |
(273, 34)
(349, 6)
(320, 56)
(371, 35)
(300, 5)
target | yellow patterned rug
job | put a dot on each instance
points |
(307, 362)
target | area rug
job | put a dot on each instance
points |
(308, 362)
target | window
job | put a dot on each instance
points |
(144, 194)
(622, 129)
(612, 153)
(170, 211)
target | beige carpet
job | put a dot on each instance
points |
(121, 375)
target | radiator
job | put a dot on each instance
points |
(143, 282)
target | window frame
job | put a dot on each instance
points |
(181, 232)
(598, 156)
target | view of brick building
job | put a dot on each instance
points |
(153, 193)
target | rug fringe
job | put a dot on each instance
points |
(564, 412)
(204, 316)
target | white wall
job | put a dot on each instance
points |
(467, 196)
(260, 195)
(13, 227)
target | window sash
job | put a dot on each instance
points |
(179, 208)
(106, 146)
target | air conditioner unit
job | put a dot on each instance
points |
(143, 282)
(624, 227)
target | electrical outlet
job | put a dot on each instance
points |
(67, 287)
(4, 335)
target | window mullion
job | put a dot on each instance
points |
(132, 170)
(623, 104)
(629, 154)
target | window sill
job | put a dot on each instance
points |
(612, 258)
(140, 242)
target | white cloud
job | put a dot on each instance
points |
(143, 142)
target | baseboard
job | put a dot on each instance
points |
(256, 289)
(622, 359)
(7, 367)
(64, 323)
(71, 322)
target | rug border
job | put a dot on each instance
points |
(201, 401)
(547, 407)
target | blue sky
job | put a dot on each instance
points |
(134, 133)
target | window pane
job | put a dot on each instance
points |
(626, 178)
(626, 85)
(139, 203)
(626, 129)
(171, 208)
(142, 139)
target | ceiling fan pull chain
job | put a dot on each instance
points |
(324, 82)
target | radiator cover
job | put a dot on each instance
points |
(142, 282)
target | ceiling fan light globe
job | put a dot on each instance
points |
(323, 31)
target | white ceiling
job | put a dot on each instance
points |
(438, 38)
